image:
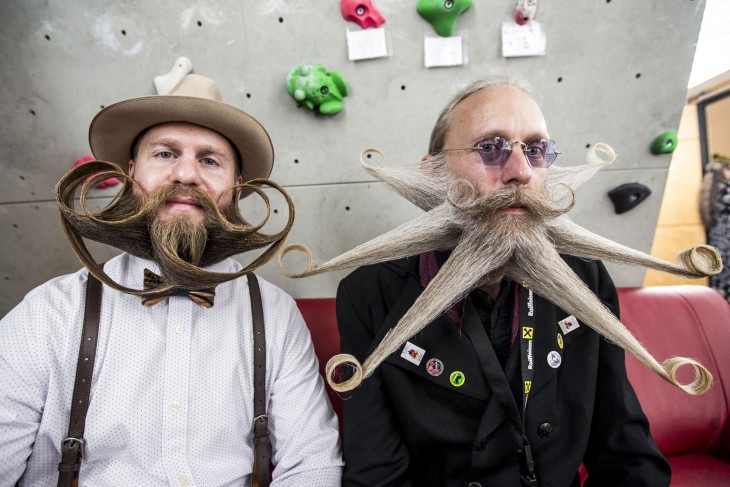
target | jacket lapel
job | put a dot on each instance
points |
(443, 346)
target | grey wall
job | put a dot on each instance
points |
(615, 71)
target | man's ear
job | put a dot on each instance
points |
(130, 167)
(426, 163)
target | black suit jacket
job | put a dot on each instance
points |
(403, 426)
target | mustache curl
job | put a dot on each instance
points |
(125, 224)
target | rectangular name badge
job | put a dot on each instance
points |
(413, 353)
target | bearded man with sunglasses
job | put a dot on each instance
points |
(451, 409)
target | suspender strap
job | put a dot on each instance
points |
(261, 444)
(72, 448)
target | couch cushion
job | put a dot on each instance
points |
(690, 321)
(699, 470)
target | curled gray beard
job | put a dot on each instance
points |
(489, 244)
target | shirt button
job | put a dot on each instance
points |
(544, 430)
(182, 480)
(175, 405)
(179, 329)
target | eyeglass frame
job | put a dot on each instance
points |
(507, 146)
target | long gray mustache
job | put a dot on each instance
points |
(488, 246)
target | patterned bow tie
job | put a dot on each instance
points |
(204, 297)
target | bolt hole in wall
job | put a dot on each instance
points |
(32, 112)
(200, 24)
(48, 38)
(560, 79)
(124, 32)
(281, 20)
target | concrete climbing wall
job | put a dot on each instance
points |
(614, 71)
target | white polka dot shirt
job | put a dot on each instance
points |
(172, 391)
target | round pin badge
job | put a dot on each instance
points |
(554, 359)
(457, 378)
(435, 367)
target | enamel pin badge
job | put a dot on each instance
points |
(412, 353)
(435, 367)
(568, 324)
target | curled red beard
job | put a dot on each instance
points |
(130, 224)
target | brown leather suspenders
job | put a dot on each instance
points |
(72, 448)
(261, 443)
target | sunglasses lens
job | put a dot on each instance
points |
(541, 153)
(492, 151)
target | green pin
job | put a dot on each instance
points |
(457, 378)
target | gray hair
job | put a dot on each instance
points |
(438, 134)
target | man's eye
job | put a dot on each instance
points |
(165, 155)
(487, 147)
(209, 162)
(536, 148)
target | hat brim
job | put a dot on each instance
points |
(114, 129)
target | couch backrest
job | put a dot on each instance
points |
(688, 321)
(320, 316)
(691, 321)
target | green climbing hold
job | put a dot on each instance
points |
(664, 143)
(316, 88)
(442, 14)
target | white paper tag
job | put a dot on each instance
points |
(366, 44)
(442, 51)
(523, 40)
(412, 353)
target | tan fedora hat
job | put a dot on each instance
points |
(196, 100)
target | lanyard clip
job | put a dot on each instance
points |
(527, 472)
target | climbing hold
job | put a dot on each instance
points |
(104, 184)
(664, 143)
(525, 11)
(164, 84)
(362, 12)
(628, 196)
(316, 88)
(442, 14)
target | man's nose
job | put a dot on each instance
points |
(186, 171)
(516, 171)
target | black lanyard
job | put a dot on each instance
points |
(527, 339)
(526, 334)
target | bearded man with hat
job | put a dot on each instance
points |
(176, 385)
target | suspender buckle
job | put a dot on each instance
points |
(78, 445)
(260, 423)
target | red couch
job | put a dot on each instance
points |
(692, 321)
